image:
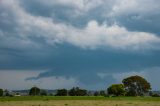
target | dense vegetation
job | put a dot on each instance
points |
(77, 92)
(116, 89)
(136, 86)
(62, 92)
(132, 86)
(34, 91)
(1, 92)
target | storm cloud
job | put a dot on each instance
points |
(73, 39)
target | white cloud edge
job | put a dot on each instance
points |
(93, 36)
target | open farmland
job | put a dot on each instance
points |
(79, 101)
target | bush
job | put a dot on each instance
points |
(96, 93)
(77, 92)
(61, 92)
(1, 92)
(43, 93)
(116, 90)
(102, 93)
(155, 95)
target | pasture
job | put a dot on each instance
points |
(79, 101)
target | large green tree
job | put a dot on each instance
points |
(116, 89)
(34, 91)
(1, 92)
(136, 85)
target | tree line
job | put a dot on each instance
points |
(130, 86)
(75, 91)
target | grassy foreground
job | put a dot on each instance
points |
(47, 98)
(79, 101)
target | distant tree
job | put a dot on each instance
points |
(81, 92)
(17, 93)
(102, 93)
(136, 85)
(61, 92)
(51, 94)
(155, 95)
(116, 89)
(76, 91)
(96, 93)
(43, 93)
(150, 93)
(34, 91)
(6, 92)
(72, 92)
(1, 92)
(89, 93)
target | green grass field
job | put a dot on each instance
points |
(44, 98)
(78, 101)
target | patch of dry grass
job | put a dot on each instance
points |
(79, 103)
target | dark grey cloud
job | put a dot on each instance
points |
(110, 38)
(65, 13)
(138, 22)
(144, 19)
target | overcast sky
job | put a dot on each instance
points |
(88, 43)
